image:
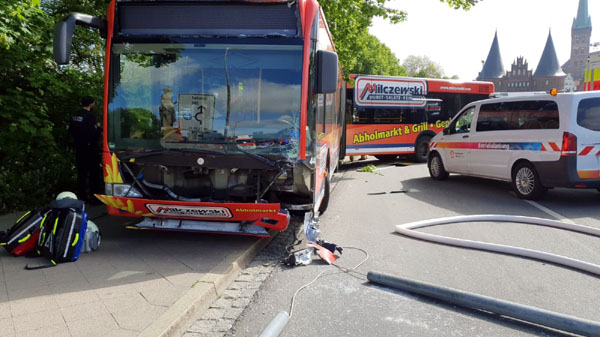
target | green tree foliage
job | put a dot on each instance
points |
(37, 98)
(374, 57)
(464, 4)
(349, 21)
(422, 66)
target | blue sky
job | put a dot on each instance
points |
(459, 40)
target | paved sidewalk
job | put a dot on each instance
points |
(134, 284)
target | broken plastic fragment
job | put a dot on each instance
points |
(324, 253)
(300, 257)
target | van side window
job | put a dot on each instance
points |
(463, 123)
(588, 114)
(519, 115)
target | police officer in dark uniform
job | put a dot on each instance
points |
(86, 136)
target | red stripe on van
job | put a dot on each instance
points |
(586, 150)
(543, 147)
(554, 146)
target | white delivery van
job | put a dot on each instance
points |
(534, 141)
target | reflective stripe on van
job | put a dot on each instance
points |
(590, 150)
(590, 174)
(550, 146)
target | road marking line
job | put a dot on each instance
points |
(384, 168)
(551, 212)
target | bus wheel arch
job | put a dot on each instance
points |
(422, 146)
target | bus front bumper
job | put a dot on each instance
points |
(267, 215)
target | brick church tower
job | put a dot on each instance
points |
(548, 74)
(581, 32)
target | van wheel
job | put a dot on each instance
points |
(422, 149)
(325, 201)
(436, 167)
(526, 182)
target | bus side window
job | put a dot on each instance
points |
(362, 115)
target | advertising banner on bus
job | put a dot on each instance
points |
(446, 86)
(374, 139)
(389, 92)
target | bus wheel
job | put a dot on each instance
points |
(325, 201)
(386, 157)
(422, 149)
(526, 182)
(436, 167)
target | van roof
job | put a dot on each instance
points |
(529, 96)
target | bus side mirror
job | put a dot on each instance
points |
(327, 72)
(63, 34)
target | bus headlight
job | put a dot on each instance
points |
(122, 190)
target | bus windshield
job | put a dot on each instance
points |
(200, 96)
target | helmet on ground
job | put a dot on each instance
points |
(92, 237)
(66, 194)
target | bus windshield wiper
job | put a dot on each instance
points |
(258, 157)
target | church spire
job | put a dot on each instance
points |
(583, 20)
(492, 68)
(548, 65)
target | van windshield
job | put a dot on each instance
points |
(588, 113)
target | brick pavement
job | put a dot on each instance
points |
(218, 320)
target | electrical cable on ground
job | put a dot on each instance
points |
(343, 270)
(280, 320)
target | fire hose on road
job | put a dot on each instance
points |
(479, 302)
(408, 230)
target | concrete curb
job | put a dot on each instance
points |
(202, 294)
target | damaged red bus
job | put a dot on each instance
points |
(388, 116)
(219, 116)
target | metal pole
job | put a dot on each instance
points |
(276, 326)
(586, 87)
(479, 302)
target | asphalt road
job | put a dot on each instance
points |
(345, 305)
